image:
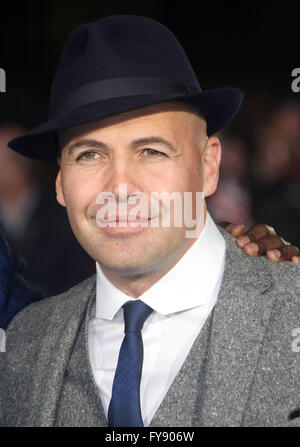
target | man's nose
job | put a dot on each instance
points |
(122, 172)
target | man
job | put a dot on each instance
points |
(208, 332)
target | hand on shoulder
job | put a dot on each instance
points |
(261, 239)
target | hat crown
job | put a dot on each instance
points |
(120, 46)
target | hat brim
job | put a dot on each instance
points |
(217, 105)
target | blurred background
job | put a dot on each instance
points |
(252, 45)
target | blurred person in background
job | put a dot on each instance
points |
(232, 200)
(276, 171)
(35, 226)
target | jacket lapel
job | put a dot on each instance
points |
(240, 320)
(178, 407)
(54, 352)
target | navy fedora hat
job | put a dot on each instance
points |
(117, 64)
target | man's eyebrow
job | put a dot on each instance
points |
(153, 140)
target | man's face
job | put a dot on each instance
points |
(125, 149)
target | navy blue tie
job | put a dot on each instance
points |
(125, 408)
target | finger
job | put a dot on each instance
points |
(255, 233)
(271, 230)
(284, 242)
(224, 224)
(296, 259)
(284, 254)
(235, 230)
(261, 246)
(258, 231)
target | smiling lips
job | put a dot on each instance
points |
(126, 219)
(123, 223)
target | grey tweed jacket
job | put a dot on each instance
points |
(250, 374)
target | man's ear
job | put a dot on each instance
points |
(59, 191)
(211, 165)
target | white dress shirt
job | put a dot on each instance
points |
(182, 300)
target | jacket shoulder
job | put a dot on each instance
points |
(37, 315)
(285, 276)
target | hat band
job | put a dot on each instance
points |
(119, 87)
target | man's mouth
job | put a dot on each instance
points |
(126, 218)
(123, 224)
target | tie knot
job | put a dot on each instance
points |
(135, 314)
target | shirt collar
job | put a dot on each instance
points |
(190, 283)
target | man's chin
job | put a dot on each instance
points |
(126, 269)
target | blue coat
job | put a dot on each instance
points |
(15, 293)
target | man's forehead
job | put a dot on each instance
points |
(66, 135)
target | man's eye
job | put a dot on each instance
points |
(152, 153)
(87, 156)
